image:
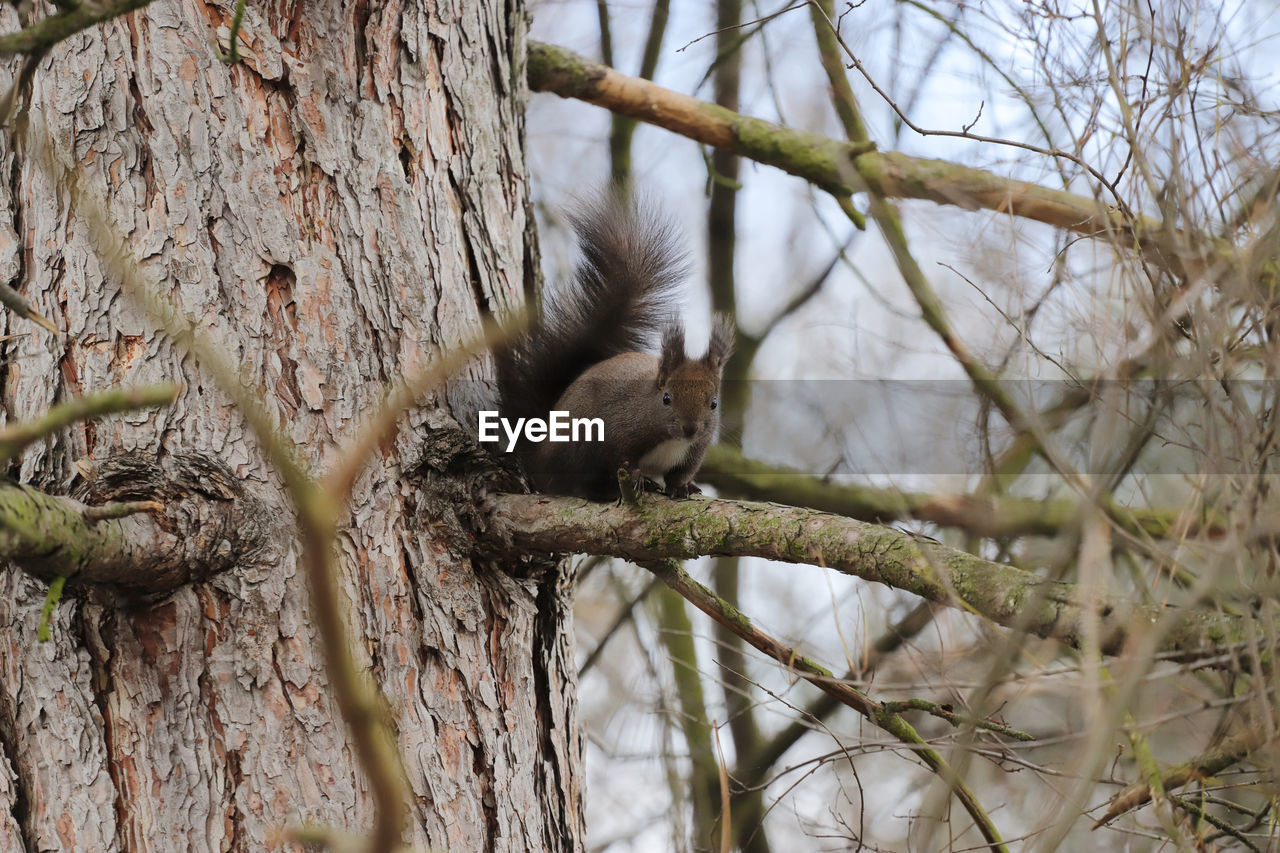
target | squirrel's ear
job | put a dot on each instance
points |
(721, 346)
(672, 352)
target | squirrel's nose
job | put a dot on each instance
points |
(690, 430)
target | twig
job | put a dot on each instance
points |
(231, 56)
(670, 573)
(120, 509)
(18, 304)
(944, 712)
(15, 437)
(376, 430)
(625, 615)
(1221, 825)
(726, 821)
(761, 20)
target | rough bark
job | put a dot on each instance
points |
(348, 200)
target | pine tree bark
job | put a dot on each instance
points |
(347, 201)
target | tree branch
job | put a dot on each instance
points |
(658, 528)
(817, 711)
(15, 437)
(18, 304)
(992, 516)
(1222, 756)
(843, 168)
(670, 573)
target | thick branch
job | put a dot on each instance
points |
(49, 536)
(812, 156)
(839, 167)
(659, 528)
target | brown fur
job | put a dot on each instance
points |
(586, 355)
(627, 393)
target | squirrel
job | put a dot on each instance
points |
(586, 352)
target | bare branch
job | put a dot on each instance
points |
(18, 304)
(812, 715)
(730, 617)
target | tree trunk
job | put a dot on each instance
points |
(349, 200)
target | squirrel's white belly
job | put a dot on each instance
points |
(664, 457)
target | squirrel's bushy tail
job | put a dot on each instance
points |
(622, 295)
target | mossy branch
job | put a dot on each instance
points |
(1225, 754)
(812, 156)
(658, 528)
(209, 524)
(231, 56)
(992, 516)
(950, 715)
(845, 168)
(51, 599)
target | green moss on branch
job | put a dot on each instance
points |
(992, 516)
(844, 168)
(660, 528)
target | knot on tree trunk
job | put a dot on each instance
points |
(205, 521)
(457, 474)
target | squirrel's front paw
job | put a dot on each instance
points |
(680, 491)
(639, 482)
(632, 482)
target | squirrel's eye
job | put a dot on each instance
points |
(714, 402)
(666, 398)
